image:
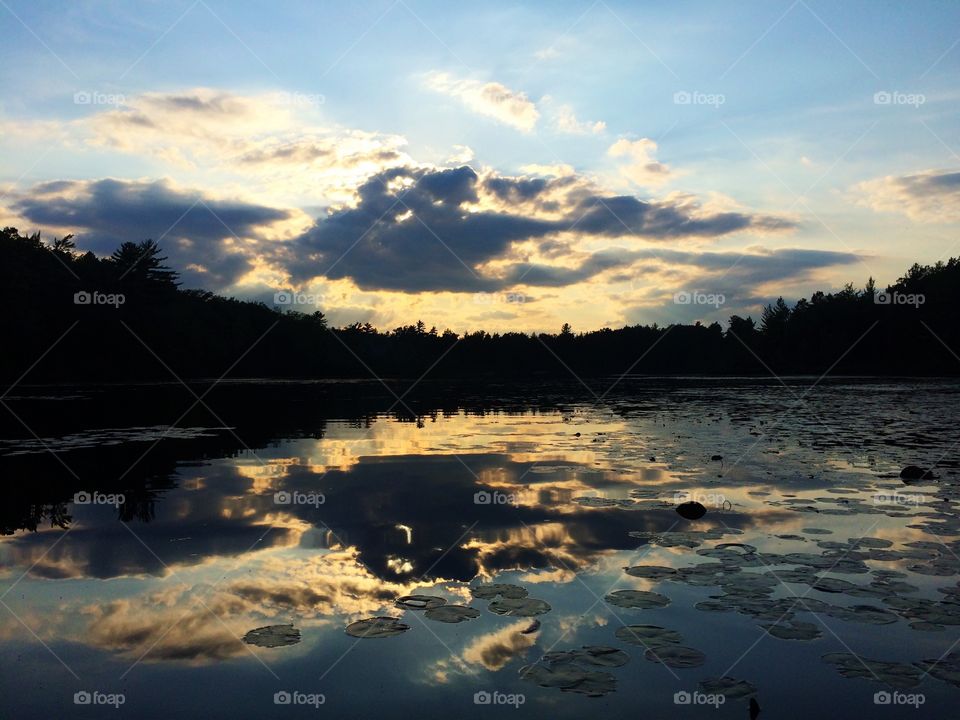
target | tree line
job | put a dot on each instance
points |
(75, 317)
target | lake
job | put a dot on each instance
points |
(239, 549)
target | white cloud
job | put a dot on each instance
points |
(641, 167)
(490, 99)
(929, 196)
(565, 121)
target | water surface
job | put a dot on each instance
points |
(144, 541)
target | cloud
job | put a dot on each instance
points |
(431, 230)
(195, 230)
(565, 121)
(490, 99)
(641, 166)
(930, 196)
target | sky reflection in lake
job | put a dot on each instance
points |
(326, 524)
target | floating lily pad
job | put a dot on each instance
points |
(640, 599)
(531, 628)
(419, 602)
(376, 627)
(648, 635)
(946, 668)
(272, 636)
(676, 656)
(519, 607)
(793, 630)
(894, 674)
(489, 591)
(570, 678)
(729, 687)
(650, 572)
(589, 655)
(451, 613)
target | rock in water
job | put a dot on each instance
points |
(912, 472)
(691, 510)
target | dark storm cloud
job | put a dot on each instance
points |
(105, 213)
(413, 230)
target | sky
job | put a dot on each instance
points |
(499, 166)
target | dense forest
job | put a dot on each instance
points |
(76, 317)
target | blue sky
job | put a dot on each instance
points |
(837, 120)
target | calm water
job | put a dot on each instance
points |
(816, 579)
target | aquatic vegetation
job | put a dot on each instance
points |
(376, 628)
(648, 635)
(589, 655)
(639, 599)
(729, 687)
(451, 613)
(419, 602)
(676, 656)
(570, 678)
(897, 675)
(271, 636)
(519, 607)
(489, 591)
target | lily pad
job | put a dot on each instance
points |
(451, 613)
(648, 635)
(729, 687)
(519, 607)
(376, 628)
(419, 602)
(898, 675)
(489, 591)
(271, 636)
(639, 599)
(676, 656)
(650, 572)
(793, 630)
(589, 655)
(570, 678)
